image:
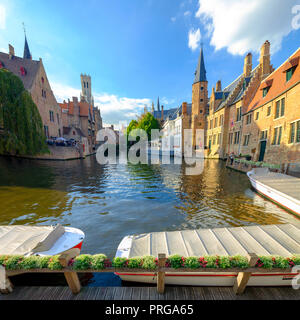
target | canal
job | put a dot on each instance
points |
(111, 201)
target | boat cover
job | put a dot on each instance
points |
(288, 185)
(283, 240)
(24, 240)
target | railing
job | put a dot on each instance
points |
(71, 275)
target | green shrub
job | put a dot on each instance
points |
(211, 261)
(135, 263)
(98, 261)
(239, 262)
(29, 263)
(83, 262)
(119, 262)
(54, 263)
(13, 262)
(176, 261)
(43, 262)
(192, 263)
(149, 263)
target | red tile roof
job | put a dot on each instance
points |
(278, 82)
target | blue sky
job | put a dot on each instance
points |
(137, 50)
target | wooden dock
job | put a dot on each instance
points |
(150, 293)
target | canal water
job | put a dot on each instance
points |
(109, 202)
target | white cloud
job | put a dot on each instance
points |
(187, 13)
(173, 19)
(2, 17)
(194, 38)
(113, 108)
(243, 25)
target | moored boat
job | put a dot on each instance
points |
(280, 188)
(281, 240)
(39, 240)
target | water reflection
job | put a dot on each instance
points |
(111, 201)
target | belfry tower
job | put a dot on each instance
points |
(86, 89)
(199, 97)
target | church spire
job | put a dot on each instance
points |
(27, 54)
(158, 105)
(200, 74)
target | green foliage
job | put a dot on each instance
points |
(54, 263)
(119, 262)
(176, 261)
(20, 120)
(98, 262)
(149, 263)
(192, 263)
(147, 123)
(83, 262)
(135, 263)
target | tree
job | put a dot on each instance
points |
(22, 128)
(148, 123)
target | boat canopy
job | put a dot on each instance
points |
(283, 240)
(27, 240)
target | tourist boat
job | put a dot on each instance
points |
(280, 188)
(39, 240)
(283, 240)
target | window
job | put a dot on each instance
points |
(289, 73)
(257, 116)
(219, 138)
(51, 116)
(201, 100)
(211, 124)
(246, 139)
(202, 88)
(23, 71)
(214, 139)
(264, 135)
(239, 114)
(87, 85)
(280, 108)
(221, 120)
(295, 132)
(265, 91)
(249, 118)
(84, 83)
(43, 80)
(230, 138)
(277, 136)
(216, 122)
(46, 130)
(236, 137)
(269, 111)
(59, 133)
(44, 93)
(57, 116)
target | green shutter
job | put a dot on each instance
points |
(298, 132)
(277, 109)
(292, 135)
(279, 136)
(282, 107)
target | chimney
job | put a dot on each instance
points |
(248, 65)
(162, 113)
(11, 51)
(219, 86)
(75, 100)
(184, 108)
(265, 59)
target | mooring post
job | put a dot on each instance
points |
(71, 276)
(243, 277)
(161, 274)
(5, 284)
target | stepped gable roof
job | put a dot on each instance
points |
(229, 89)
(279, 83)
(15, 64)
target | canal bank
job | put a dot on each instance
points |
(111, 201)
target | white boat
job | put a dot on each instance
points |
(283, 240)
(39, 240)
(279, 188)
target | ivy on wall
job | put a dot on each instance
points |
(20, 121)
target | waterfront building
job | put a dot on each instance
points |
(271, 131)
(35, 80)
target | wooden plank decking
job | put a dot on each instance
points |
(150, 293)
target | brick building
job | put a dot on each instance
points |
(35, 80)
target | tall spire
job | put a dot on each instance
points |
(200, 74)
(27, 54)
(158, 105)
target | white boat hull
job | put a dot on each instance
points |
(274, 195)
(211, 279)
(72, 238)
